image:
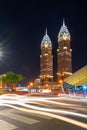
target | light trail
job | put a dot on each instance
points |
(19, 102)
(22, 100)
(53, 110)
(7, 100)
(53, 102)
(44, 99)
(66, 119)
(48, 98)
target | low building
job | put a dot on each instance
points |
(77, 82)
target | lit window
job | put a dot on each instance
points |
(65, 48)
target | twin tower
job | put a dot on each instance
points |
(64, 57)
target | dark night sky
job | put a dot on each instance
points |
(22, 27)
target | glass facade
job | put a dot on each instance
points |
(77, 83)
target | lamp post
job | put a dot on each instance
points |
(30, 85)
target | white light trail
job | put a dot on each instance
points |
(53, 110)
(43, 109)
(22, 100)
(66, 119)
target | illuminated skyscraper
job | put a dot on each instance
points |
(64, 54)
(46, 61)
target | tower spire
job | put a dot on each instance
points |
(63, 31)
(63, 22)
(46, 38)
(46, 31)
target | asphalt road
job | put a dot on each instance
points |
(42, 113)
(11, 119)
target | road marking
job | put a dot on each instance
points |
(21, 118)
(36, 115)
(6, 126)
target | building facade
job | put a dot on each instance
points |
(46, 61)
(77, 82)
(64, 54)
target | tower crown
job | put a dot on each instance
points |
(63, 33)
(46, 41)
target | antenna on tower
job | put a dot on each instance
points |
(63, 22)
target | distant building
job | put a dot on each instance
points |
(64, 54)
(37, 83)
(46, 61)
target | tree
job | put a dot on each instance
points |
(11, 78)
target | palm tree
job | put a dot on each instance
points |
(12, 78)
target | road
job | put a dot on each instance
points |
(42, 113)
